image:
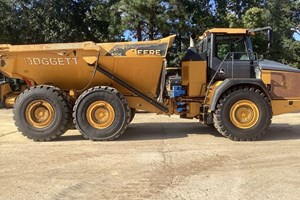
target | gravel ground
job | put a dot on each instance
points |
(158, 157)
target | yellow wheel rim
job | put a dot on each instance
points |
(39, 114)
(100, 114)
(244, 114)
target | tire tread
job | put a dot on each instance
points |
(217, 114)
(117, 94)
(66, 109)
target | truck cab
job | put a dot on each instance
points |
(229, 53)
(227, 86)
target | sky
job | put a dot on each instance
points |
(297, 36)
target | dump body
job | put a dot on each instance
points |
(71, 66)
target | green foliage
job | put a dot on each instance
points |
(45, 21)
(42, 21)
(281, 15)
(255, 17)
(282, 24)
(145, 19)
(232, 21)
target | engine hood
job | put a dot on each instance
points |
(276, 66)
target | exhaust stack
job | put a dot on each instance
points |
(192, 40)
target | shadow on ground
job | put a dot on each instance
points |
(159, 131)
(155, 131)
(282, 132)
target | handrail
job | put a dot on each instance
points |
(221, 64)
(211, 81)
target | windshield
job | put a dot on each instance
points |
(235, 45)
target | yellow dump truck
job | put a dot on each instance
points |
(98, 87)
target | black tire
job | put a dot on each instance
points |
(132, 114)
(105, 101)
(210, 126)
(254, 117)
(2, 105)
(71, 125)
(47, 98)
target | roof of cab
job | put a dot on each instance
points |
(225, 31)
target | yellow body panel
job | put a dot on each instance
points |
(266, 76)
(211, 92)
(285, 106)
(230, 31)
(4, 90)
(10, 100)
(194, 76)
(140, 104)
(193, 109)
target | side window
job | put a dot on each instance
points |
(201, 47)
(205, 45)
(222, 50)
(208, 45)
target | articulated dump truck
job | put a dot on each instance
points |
(98, 87)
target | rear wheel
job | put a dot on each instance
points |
(101, 113)
(42, 113)
(243, 114)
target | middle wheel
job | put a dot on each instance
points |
(101, 113)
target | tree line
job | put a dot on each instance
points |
(48, 21)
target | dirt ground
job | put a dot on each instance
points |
(158, 157)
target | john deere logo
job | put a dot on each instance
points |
(156, 52)
(140, 49)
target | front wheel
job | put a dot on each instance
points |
(243, 114)
(101, 113)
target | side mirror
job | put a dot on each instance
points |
(270, 38)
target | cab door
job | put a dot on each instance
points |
(231, 57)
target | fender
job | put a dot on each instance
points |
(228, 83)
